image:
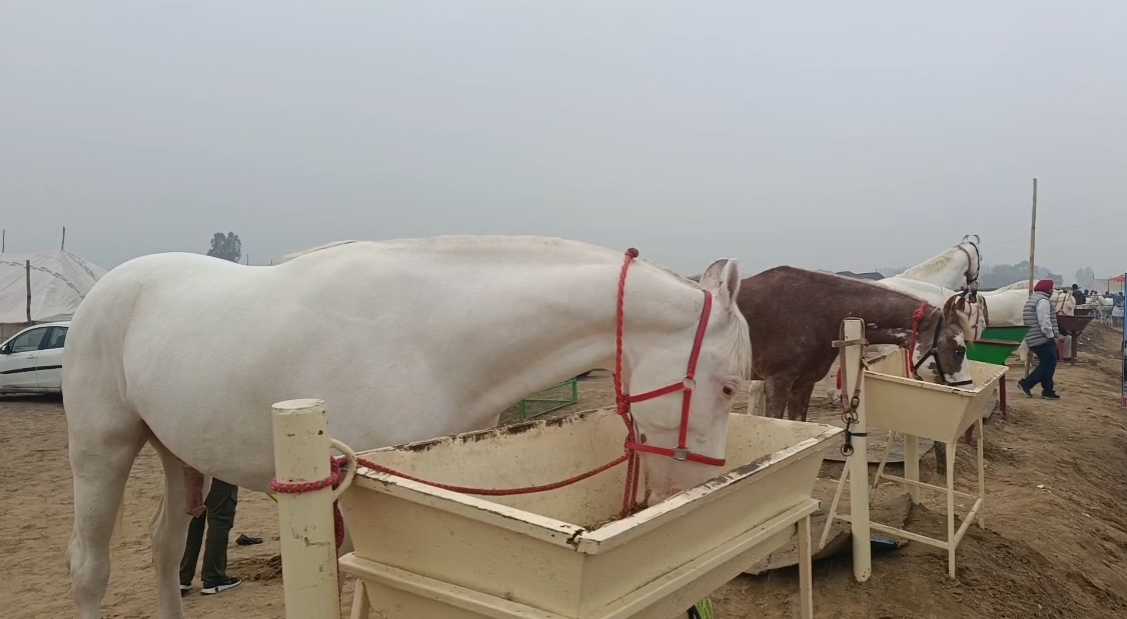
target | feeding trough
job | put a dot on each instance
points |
(916, 409)
(1075, 325)
(421, 551)
(991, 351)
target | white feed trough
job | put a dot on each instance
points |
(914, 409)
(421, 551)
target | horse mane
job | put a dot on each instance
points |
(932, 265)
(306, 252)
(456, 241)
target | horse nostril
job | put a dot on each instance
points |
(642, 438)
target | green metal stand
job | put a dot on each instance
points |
(573, 384)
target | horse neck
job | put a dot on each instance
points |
(560, 321)
(947, 269)
(896, 328)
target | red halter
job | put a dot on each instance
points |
(686, 385)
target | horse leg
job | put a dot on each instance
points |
(799, 401)
(168, 529)
(830, 382)
(755, 404)
(778, 390)
(101, 456)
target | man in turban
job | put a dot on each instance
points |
(1042, 340)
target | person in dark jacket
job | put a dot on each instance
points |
(1081, 299)
(1042, 339)
(219, 517)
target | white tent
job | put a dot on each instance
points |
(44, 286)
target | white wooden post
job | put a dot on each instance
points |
(852, 372)
(301, 454)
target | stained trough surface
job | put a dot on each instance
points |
(1056, 546)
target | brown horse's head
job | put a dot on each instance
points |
(965, 308)
(941, 352)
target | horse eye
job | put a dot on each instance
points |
(728, 391)
(960, 350)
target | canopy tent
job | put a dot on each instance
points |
(42, 287)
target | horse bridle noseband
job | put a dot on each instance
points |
(971, 279)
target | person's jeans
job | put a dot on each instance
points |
(1046, 367)
(220, 518)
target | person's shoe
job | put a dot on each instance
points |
(1025, 389)
(1050, 396)
(185, 589)
(211, 588)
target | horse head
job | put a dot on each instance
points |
(682, 428)
(967, 309)
(947, 349)
(969, 246)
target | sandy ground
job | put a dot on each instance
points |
(1055, 546)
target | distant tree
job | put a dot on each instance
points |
(1086, 277)
(226, 246)
(999, 275)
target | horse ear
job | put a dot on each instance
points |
(722, 278)
(710, 279)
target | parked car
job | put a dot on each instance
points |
(31, 361)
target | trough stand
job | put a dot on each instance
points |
(1075, 326)
(913, 409)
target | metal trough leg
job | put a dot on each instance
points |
(951, 507)
(361, 605)
(805, 570)
(981, 477)
(912, 466)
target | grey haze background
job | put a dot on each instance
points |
(826, 135)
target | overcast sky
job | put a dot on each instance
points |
(838, 135)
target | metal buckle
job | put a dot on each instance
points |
(688, 383)
(680, 453)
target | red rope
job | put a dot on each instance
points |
(917, 318)
(332, 481)
(622, 402)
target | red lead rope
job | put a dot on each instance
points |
(622, 406)
(917, 318)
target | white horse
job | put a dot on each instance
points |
(934, 280)
(1006, 306)
(405, 340)
(954, 268)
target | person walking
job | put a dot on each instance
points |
(1042, 339)
(1080, 297)
(219, 518)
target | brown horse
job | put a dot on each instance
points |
(792, 346)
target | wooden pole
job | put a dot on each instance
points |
(308, 539)
(3, 240)
(1032, 262)
(27, 272)
(853, 329)
(63, 245)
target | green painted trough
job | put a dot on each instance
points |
(996, 344)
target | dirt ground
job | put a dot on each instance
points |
(1055, 546)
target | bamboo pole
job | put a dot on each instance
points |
(1032, 262)
(301, 454)
(27, 273)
